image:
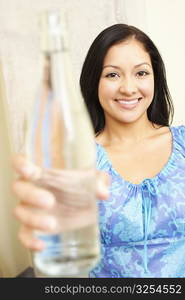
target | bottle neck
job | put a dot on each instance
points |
(53, 31)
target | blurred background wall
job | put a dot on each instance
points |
(20, 59)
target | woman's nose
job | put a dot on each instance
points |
(128, 86)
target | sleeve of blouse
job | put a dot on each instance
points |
(101, 159)
(181, 135)
(182, 131)
(99, 156)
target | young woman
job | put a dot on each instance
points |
(142, 222)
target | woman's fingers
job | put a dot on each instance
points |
(25, 169)
(29, 240)
(30, 194)
(35, 219)
(53, 178)
(38, 191)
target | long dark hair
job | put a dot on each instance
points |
(160, 110)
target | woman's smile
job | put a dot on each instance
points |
(128, 103)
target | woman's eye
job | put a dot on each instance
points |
(112, 75)
(142, 73)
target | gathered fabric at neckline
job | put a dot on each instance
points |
(164, 172)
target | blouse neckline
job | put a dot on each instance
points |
(163, 172)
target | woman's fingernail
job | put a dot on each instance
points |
(49, 223)
(27, 171)
(32, 171)
(28, 168)
(105, 192)
(103, 188)
(46, 200)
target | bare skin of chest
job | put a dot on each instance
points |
(136, 162)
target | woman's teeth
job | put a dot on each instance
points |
(128, 102)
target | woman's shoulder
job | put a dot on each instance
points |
(102, 161)
(178, 131)
(101, 157)
(178, 134)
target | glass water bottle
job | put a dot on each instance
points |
(60, 136)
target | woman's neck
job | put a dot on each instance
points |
(131, 133)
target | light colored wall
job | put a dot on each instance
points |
(166, 23)
(19, 52)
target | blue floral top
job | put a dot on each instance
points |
(142, 225)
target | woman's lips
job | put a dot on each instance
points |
(128, 104)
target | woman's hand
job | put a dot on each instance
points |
(38, 191)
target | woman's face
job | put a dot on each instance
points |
(126, 86)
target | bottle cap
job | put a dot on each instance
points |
(52, 31)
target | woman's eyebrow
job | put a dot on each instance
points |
(143, 63)
(136, 66)
(111, 66)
